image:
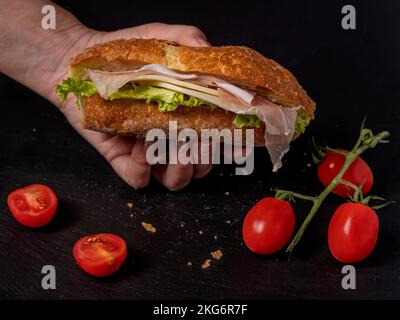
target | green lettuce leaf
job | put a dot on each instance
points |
(167, 100)
(244, 120)
(241, 120)
(302, 121)
(80, 88)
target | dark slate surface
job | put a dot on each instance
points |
(350, 74)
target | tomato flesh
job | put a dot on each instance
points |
(353, 232)
(358, 173)
(101, 254)
(33, 206)
(268, 226)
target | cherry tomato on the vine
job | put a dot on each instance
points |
(353, 232)
(358, 173)
(268, 226)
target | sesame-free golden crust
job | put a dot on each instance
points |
(239, 65)
(136, 118)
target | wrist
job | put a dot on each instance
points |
(36, 57)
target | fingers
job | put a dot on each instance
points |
(128, 159)
(190, 36)
(182, 34)
(173, 176)
(205, 150)
(177, 176)
(136, 171)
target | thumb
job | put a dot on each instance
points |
(182, 34)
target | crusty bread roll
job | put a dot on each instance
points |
(240, 66)
(135, 117)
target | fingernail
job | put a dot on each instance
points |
(203, 42)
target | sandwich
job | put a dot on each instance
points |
(130, 86)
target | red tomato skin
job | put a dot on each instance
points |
(353, 232)
(36, 220)
(357, 173)
(268, 226)
(95, 268)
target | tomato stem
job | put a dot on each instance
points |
(289, 195)
(334, 151)
(316, 153)
(382, 205)
(365, 141)
(358, 195)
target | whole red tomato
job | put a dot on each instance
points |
(359, 172)
(353, 232)
(268, 226)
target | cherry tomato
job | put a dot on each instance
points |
(268, 226)
(353, 232)
(33, 206)
(359, 172)
(101, 254)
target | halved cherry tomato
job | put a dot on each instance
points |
(353, 232)
(268, 226)
(101, 254)
(33, 206)
(359, 172)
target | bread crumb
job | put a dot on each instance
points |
(131, 215)
(215, 237)
(217, 254)
(189, 264)
(227, 193)
(228, 221)
(206, 264)
(130, 205)
(200, 232)
(149, 227)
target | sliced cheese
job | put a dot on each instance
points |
(197, 94)
(176, 83)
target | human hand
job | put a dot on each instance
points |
(127, 155)
(39, 59)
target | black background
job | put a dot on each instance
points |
(350, 74)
